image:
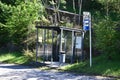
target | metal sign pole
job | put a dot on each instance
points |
(90, 43)
(86, 27)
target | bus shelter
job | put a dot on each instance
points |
(65, 44)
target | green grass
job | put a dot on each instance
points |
(17, 58)
(101, 66)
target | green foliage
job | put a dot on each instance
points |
(5, 13)
(29, 55)
(63, 4)
(105, 32)
(17, 20)
(111, 8)
(106, 35)
(11, 2)
(22, 17)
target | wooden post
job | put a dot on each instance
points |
(37, 45)
(72, 46)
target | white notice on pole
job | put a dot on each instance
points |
(79, 42)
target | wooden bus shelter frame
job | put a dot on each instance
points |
(59, 31)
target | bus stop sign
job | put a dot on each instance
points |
(86, 21)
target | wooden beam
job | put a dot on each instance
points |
(62, 11)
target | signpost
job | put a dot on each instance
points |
(86, 27)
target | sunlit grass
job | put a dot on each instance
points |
(17, 58)
(101, 66)
(6, 57)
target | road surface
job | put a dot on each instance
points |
(19, 72)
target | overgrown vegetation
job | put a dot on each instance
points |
(105, 27)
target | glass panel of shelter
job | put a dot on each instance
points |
(66, 45)
(78, 53)
(69, 47)
(45, 44)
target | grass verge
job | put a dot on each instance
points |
(18, 58)
(101, 66)
(15, 57)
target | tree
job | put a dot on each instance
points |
(21, 20)
(106, 36)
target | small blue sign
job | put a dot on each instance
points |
(86, 28)
(86, 25)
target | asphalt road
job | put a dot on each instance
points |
(18, 72)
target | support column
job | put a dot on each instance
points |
(61, 40)
(52, 46)
(37, 45)
(44, 33)
(72, 46)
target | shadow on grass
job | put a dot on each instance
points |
(19, 59)
(22, 66)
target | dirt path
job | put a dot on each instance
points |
(18, 72)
